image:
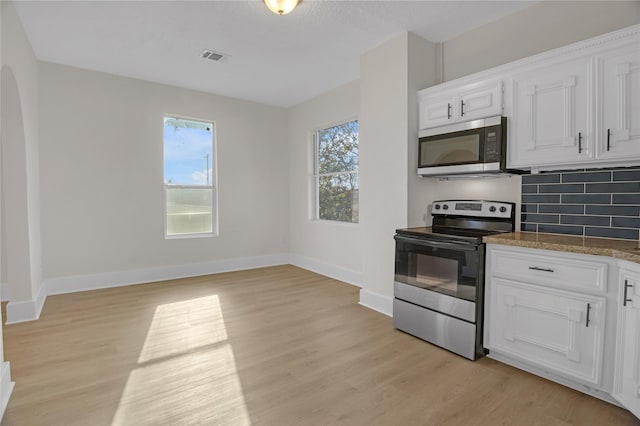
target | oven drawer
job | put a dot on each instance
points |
(447, 332)
(557, 270)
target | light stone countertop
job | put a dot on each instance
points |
(619, 249)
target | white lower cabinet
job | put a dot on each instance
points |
(627, 371)
(572, 318)
(557, 330)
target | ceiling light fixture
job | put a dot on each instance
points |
(281, 7)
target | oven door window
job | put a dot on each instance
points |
(451, 149)
(447, 270)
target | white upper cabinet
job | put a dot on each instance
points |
(470, 101)
(480, 100)
(627, 371)
(551, 121)
(577, 106)
(436, 110)
(618, 111)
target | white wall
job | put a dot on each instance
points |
(541, 27)
(101, 158)
(6, 385)
(331, 248)
(385, 119)
(21, 188)
(423, 72)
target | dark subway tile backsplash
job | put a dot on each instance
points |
(596, 203)
(541, 218)
(561, 208)
(560, 229)
(537, 199)
(585, 220)
(541, 178)
(626, 175)
(586, 199)
(613, 210)
(610, 188)
(626, 234)
(587, 177)
(626, 199)
(625, 222)
(574, 188)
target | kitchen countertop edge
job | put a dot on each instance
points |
(628, 250)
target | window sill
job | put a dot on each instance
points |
(334, 222)
(185, 236)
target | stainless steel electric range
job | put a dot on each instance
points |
(439, 273)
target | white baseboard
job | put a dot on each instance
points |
(28, 310)
(377, 302)
(332, 271)
(6, 386)
(75, 283)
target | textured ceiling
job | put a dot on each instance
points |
(277, 60)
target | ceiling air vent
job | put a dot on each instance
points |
(213, 56)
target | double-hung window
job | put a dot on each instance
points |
(189, 177)
(336, 173)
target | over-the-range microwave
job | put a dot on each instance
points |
(472, 147)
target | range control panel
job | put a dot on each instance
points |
(479, 208)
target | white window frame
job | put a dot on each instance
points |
(212, 186)
(316, 175)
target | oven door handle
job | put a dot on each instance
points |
(454, 245)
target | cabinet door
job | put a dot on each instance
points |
(437, 110)
(619, 110)
(553, 115)
(557, 331)
(480, 100)
(627, 371)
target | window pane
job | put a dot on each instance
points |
(188, 152)
(338, 148)
(338, 197)
(189, 210)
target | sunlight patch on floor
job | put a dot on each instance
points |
(187, 372)
(184, 326)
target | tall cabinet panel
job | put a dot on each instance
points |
(627, 372)
(552, 121)
(619, 106)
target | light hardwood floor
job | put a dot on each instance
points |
(273, 346)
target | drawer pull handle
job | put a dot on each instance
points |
(461, 108)
(626, 287)
(588, 310)
(448, 111)
(536, 268)
(608, 139)
(579, 143)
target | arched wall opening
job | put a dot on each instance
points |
(15, 253)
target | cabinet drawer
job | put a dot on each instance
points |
(556, 271)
